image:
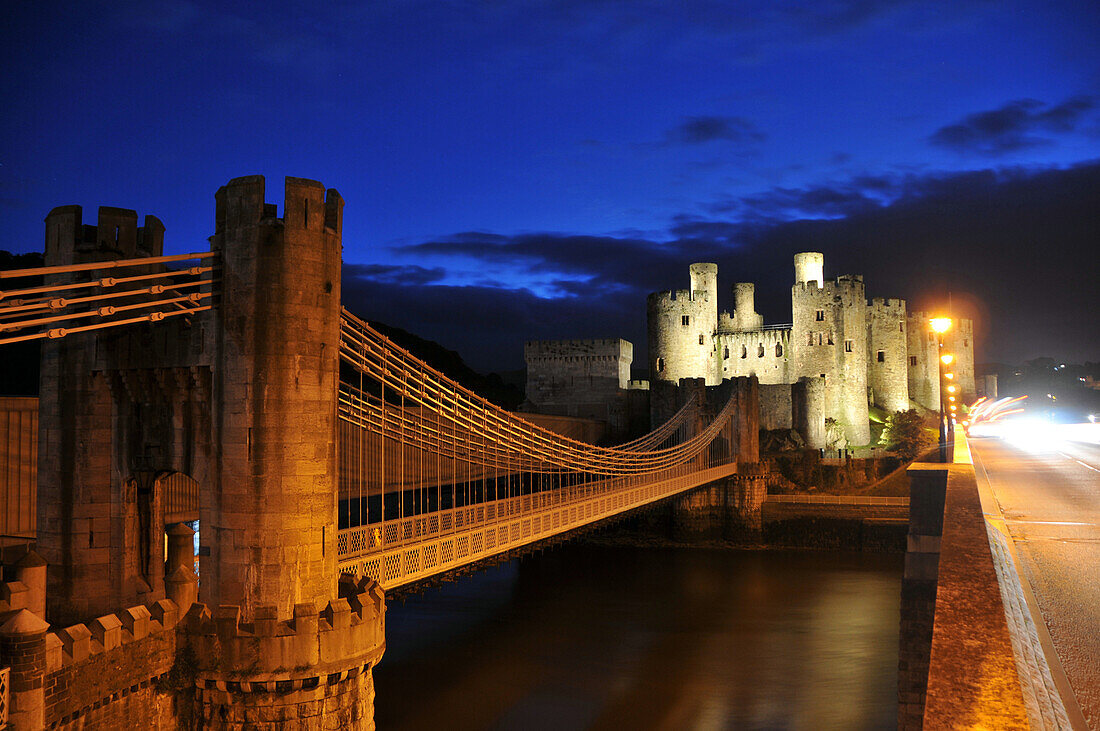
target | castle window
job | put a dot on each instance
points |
(744, 352)
(760, 351)
(966, 343)
(685, 320)
(700, 338)
(882, 356)
(726, 353)
(830, 337)
(778, 350)
(913, 361)
(660, 364)
(901, 327)
(820, 317)
(847, 346)
(810, 340)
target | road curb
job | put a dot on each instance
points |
(1047, 691)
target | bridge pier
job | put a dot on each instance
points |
(726, 509)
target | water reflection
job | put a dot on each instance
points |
(609, 637)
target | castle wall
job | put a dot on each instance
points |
(761, 353)
(775, 406)
(587, 379)
(576, 371)
(888, 371)
(829, 338)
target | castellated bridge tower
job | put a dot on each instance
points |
(829, 341)
(682, 325)
(271, 522)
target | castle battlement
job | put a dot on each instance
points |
(346, 635)
(116, 235)
(672, 295)
(844, 285)
(307, 206)
(888, 303)
(75, 644)
(605, 348)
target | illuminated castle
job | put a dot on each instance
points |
(843, 353)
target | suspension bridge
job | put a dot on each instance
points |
(205, 367)
(431, 475)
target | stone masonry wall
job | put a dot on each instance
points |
(923, 362)
(762, 353)
(108, 672)
(887, 370)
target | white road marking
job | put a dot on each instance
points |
(1083, 464)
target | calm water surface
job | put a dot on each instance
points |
(599, 637)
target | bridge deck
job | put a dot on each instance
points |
(402, 551)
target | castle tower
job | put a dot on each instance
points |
(270, 522)
(809, 266)
(887, 375)
(923, 362)
(744, 317)
(681, 327)
(829, 339)
(959, 340)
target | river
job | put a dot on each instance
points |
(593, 636)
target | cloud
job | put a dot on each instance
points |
(1011, 242)
(407, 275)
(700, 130)
(1018, 125)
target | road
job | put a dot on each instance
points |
(1049, 494)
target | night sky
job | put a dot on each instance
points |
(526, 169)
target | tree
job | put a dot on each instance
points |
(905, 434)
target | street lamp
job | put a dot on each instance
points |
(940, 325)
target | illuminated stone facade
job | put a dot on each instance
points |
(864, 353)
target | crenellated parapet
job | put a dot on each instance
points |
(267, 653)
(263, 672)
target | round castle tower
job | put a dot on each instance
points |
(829, 339)
(681, 328)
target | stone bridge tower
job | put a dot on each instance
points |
(243, 399)
(270, 523)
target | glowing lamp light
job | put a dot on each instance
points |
(950, 398)
(952, 389)
(952, 407)
(948, 375)
(947, 358)
(940, 324)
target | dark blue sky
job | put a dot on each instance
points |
(522, 169)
